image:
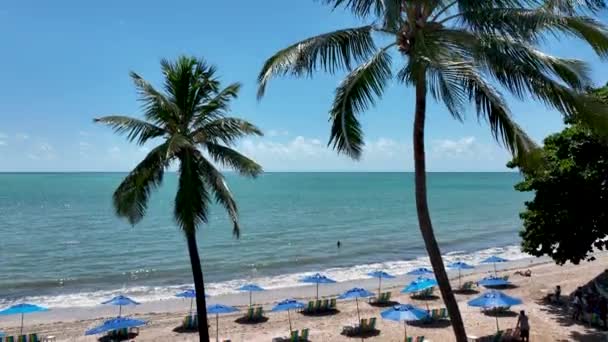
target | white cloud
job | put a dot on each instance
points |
(84, 145)
(83, 133)
(277, 133)
(2, 143)
(448, 147)
(43, 151)
(21, 136)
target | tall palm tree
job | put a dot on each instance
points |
(461, 52)
(189, 121)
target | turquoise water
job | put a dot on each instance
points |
(59, 237)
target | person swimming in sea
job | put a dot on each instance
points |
(338, 244)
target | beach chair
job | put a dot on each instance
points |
(188, 322)
(325, 305)
(362, 325)
(467, 286)
(505, 278)
(311, 307)
(318, 305)
(294, 336)
(7, 339)
(372, 324)
(250, 313)
(332, 304)
(443, 313)
(22, 338)
(304, 335)
(259, 313)
(33, 338)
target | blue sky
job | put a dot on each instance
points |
(65, 62)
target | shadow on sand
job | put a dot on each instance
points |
(562, 316)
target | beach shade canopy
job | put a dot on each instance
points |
(380, 275)
(190, 293)
(218, 309)
(317, 279)
(459, 265)
(116, 324)
(356, 293)
(251, 288)
(286, 305)
(493, 282)
(404, 313)
(494, 300)
(494, 260)
(419, 285)
(422, 271)
(120, 301)
(22, 309)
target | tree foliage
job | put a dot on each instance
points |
(568, 218)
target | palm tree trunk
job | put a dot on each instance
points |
(199, 286)
(424, 218)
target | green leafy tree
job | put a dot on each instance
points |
(460, 52)
(189, 120)
(567, 218)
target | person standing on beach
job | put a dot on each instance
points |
(524, 326)
(603, 310)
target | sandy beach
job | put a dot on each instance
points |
(548, 323)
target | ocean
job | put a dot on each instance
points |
(62, 246)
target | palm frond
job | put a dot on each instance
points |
(217, 105)
(233, 159)
(361, 8)
(135, 129)
(192, 198)
(157, 107)
(224, 130)
(572, 7)
(216, 182)
(131, 197)
(354, 95)
(331, 51)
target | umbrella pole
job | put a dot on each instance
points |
(379, 286)
(497, 328)
(250, 302)
(289, 318)
(317, 291)
(217, 327)
(191, 305)
(21, 330)
(358, 315)
(119, 310)
(405, 329)
(495, 272)
(459, 278)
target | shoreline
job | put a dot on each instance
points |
(69, 324)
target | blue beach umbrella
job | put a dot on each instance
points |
(380, 275)
(2, 334)
(190, 293)
(404, 313)
(22, 309)
(317, 279)
(116, 324)
(286, 305)
(356, 293)
(459, 265)
(419, 285)
(120, 301)
(251, 288)
(493, 282)
(494, 300)
(494, 260)
(422, 271)
(218, 309)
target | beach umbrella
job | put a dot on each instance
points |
(251, 288)
(493, 282)
(317, 279)
(218, 309)
(190, 293)
(493, 300)
(286, 305)
(419, 285)
(494, 260)
(356, 293)
(422, 271)
(22, 309)
(459, 265)
(404, 313)
(2, 334)
(380, 275)
(116, 324)
(120, 301)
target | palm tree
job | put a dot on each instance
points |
(189, 120)
(461, 52)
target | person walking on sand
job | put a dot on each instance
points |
(524, 326)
